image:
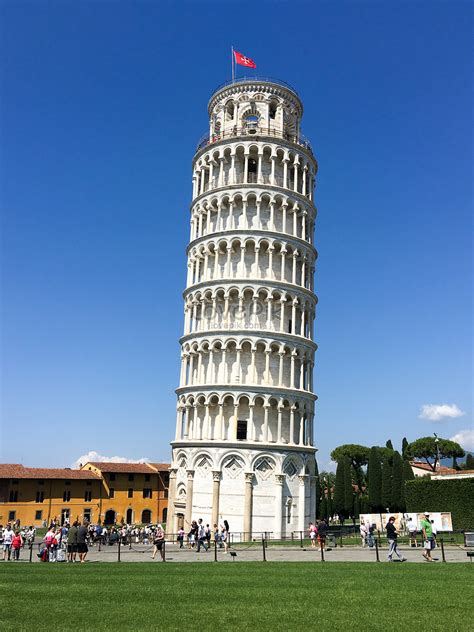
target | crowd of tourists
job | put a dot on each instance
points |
(13, 539)
(200, 536)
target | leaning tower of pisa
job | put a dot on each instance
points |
(244, 447)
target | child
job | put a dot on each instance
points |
(180, 537)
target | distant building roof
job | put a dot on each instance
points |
(440, 469)
(127, 468)
(16, 470)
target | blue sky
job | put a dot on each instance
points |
(102, 105)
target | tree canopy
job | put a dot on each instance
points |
(427, 448)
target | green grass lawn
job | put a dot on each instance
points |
(236, 596)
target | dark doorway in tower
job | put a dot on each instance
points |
(129, 516)
(146, 516)
(252, 170)
(241, 430)
(109, 517)
(180, 517)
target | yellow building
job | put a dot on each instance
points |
(36, 496)
(108, 493)
(133, 492)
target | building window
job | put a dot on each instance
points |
(66, 496)
(147, 477)
(87, 496)
(112, 477)
(39, 497)
(111, 492)
(38, 515)
(147, 492)
(241, 430)
(130, 492)
(11, 516)
(13, 496)
(88, 515)
(131, 477)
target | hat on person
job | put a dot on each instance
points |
(427, 513)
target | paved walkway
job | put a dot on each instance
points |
(254, 553)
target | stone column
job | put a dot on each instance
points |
(216, 484)
(189, 498)
(279, 480)
(248, 505)
(301, 501)
(171, 500)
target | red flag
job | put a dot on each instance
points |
(243, 60)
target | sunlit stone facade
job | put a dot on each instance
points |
(243, 449)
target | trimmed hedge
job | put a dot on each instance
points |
(455, 495)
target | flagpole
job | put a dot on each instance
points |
(233, 67)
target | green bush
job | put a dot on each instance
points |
(455, 495)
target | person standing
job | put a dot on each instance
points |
(82, 547)
(17, 543)
(428, 540)
(412, 531)
(312, 534)
(363, 533)
(8, 535)
(159, 543)
(392, 535)
(72, 542)
(322, 530)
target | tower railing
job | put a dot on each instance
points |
(254, 130)
(277, 82)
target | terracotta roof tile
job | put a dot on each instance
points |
(125, 468)
(15, 470)
(161, 467)
(441, 469)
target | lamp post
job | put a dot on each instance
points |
(437, 450)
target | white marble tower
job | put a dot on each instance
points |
(243, 449)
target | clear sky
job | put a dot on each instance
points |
(102, 105)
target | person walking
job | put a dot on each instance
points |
(159, 543)
(428, 539)
(202, 540)
(392, 535)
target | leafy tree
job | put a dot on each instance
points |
(356, 512)
(375, 480)
(348, 490)
(364, 503)
(455, 465)
(339, 491)
(407, 471)
(327, 478)
(358, 456)
(389, 444)
(386, 483)
(397, 483)
(404, 446)
(427, 448)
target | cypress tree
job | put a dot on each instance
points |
(339, 491)
(348, 490)
(323, 506)
(330, 503)
(386, 484)
(397, 482)
(469, 465)
(407, 476)
(317, 489)
(375, 481)
(404, 446)
(356, 506)
(389, 444)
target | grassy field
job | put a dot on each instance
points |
(240, 596)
